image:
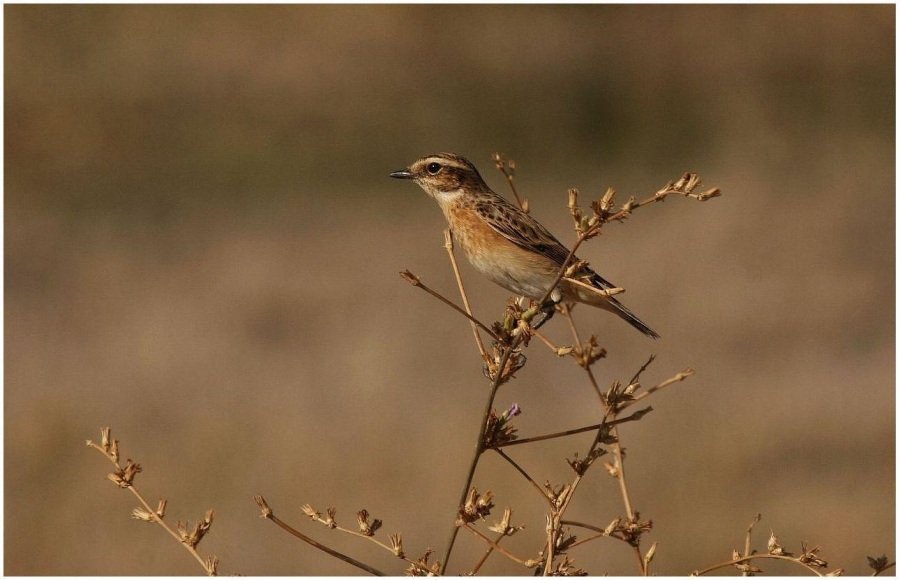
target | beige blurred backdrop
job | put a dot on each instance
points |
(202, 246)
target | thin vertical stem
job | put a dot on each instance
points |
(616, 447)
(448, 244)
(479, 446)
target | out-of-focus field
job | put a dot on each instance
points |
(202, 246)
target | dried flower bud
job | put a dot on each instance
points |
(879, 564)
(422, 567)
(366, 527)
(632, 530)
(362, 517)
(748, 568)
(648, 557)
(564, 540)
(612, 527)
(611, 469)
(410, 277)
(141, 514)
(130, 470)
(181, 527)
(811, 557)
(573, 199)
(606, 202)
(475, 507)
(564, 351)
(261, 502)
(310, 512)
(580, 466)
(503, 526)
(567, 568)
(709, 194)
(773, 547)
(329, 517)
(161, 509)
(199, 531)
(212, 565)
(195, 536)
(397, 544)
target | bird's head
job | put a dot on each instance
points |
(444, 176)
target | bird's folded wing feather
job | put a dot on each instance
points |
(524, 231)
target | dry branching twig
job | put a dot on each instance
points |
(187, 535)
(808, 558)
(270, 515)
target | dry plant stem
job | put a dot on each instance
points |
(566, 263)
(641, 370)
(750, 533)
(448, 238)
(670, 381)
(661, 196)
(545, 340)
(501, 165)
(743, 559)
(372, 539)
(886, 568)
(495, 545)
(588, 287)
(326, 549)
(486, 555)
(623, 484)
(524, 474)
(556, 515)
(601, 533)
(616, 447)
(636, 416)
(414, 280)
(156, 519)
(479, 446)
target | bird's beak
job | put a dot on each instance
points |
(403, 174)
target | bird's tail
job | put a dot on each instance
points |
(629, 317)
(619, 309)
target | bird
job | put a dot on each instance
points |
(504, 243)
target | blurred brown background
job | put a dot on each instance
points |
(202, 247)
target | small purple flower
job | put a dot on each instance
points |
(513, 411)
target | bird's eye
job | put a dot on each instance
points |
(433, 168)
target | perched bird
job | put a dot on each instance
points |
(503, 242)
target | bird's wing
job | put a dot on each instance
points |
(520, 228)
(526, 232)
